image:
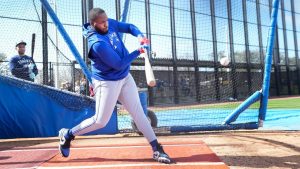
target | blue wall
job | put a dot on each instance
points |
(32, 110)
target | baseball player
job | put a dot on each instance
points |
(112, 82)
(21, 65)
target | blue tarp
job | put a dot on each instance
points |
(31, 110)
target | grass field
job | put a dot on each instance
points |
(278, 103)
(281, 103)
(284, 103)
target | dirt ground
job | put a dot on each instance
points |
(256, 149)
(252, 149)
(238, 149)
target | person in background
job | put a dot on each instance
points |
(21, 65)
(82, 86)
(77, 87)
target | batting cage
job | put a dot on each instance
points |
(212, 62)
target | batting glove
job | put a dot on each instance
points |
(143, 40)
(143, 48)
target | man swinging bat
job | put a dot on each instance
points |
(112, 82)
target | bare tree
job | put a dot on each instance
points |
(2, 57)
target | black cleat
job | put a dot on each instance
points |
(161, 156)
(64, 142)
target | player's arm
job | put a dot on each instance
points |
(34, 70)
(133, 30)
(111, 58)
(129, 28)
(144, 42)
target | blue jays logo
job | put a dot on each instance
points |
(24, 61)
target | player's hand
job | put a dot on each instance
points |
(91, 89)
(30, 66)
(143, 40)
(143, 48)
(32, 75)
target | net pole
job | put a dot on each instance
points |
(268, 64)
(67, 39)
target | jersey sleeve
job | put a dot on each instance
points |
(35, 70)
(127, 28)
(111, 58)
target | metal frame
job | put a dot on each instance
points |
(296, 44)
(195, 50)
(276, 57)
(215, 49)
(84, 20)
(233, 64)
(45, 45)
(174, 53)
(86, 6)
(259, 31)
(285, 48)
(248, 62)
(118, 9)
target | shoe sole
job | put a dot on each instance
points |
(165, 161)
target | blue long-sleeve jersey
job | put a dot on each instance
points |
(110, 60)
(18, 66)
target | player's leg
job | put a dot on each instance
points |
(129, 98)
(106, 94)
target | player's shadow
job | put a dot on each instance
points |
(99, 159)
(4, 157)
(193, 158)
(15, 144)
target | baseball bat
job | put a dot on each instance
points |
(32, 44)
(148, 71)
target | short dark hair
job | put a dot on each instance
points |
(94, 13)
